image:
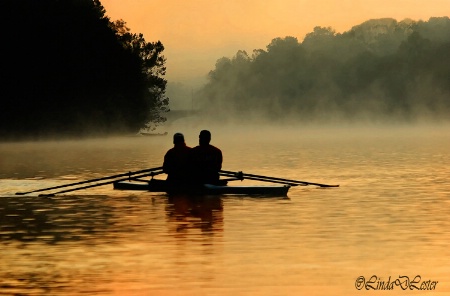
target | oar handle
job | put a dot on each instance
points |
(103, 183)
(129, 174)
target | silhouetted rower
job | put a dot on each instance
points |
(206, 160)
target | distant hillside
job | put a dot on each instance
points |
(381, 70)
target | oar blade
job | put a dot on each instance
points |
(327, 186)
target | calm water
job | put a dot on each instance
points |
(389, 218)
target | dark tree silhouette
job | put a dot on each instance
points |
(67, 70)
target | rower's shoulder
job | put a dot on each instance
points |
(216, 148)
(212, 147)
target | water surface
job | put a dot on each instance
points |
(389, 218)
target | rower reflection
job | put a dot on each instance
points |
(195, 212)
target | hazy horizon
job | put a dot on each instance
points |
(197, 34)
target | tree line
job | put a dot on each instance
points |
(380, 70)
(68, 70)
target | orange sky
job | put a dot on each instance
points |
(196, 33)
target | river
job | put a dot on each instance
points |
(387, 222)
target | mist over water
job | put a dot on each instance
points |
(298, 152)
(94, 158)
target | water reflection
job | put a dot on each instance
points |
(185, 212)
(38, 236)
(53, 220)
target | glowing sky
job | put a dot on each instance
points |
(196, 33)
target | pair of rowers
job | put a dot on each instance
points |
(186, 167)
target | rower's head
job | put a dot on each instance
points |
(178, 138)
(204, 137)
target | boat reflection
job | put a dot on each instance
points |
(202, 212)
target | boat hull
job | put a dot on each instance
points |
(207, 189)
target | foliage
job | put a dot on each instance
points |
(68, 70)
(379, 70)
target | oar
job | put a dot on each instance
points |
(103, 183)
(241, 175)
(94, 180)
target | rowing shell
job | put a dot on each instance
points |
(159, 186)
